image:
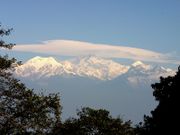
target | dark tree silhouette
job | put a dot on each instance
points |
(5, 32)
(94, 122)
(21, 110)
(166, 116)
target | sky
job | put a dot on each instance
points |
(125, 30)
(151, 25)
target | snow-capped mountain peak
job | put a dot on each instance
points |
(39, 67)
(100, 68)
(42, 60)
(141, 65)
(137, 63)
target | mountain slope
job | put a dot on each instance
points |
(99, 68)
(140, 73)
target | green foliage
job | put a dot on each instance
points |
(165, 117)
(21, 110)
(6, 63)
(94, 122)
(5, 32)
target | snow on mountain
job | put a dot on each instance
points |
(99, 68)
(140, 72)
(140, 65)
(91, 67)
(38, 67)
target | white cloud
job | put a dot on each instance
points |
(78, 48)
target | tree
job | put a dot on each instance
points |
(21, 110)
(5, 32)
(165, 117)
(94, 122)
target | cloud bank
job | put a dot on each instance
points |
(79, 48)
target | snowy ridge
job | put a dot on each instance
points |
(140, 72)
(99, 68)
(90, 67)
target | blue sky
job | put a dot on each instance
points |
(147, 24)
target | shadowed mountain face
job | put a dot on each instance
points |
(95, 82)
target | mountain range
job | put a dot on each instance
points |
(90, 67)
(95, 82)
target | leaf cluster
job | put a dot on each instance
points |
(94, 122)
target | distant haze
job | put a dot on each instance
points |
(96, 82)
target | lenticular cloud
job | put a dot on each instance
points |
(79, 48)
